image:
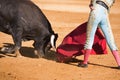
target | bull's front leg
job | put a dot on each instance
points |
(39, 49)
(18, 41)
(17, 52)
(12, 50)
(17, 38)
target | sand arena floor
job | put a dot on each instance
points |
(64, 16)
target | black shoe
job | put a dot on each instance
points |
(82, 65)
(119, 67)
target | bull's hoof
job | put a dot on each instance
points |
(10, 51)
(7, 50)
(39, 55)
(17, 54)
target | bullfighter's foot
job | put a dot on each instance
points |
(82, 65)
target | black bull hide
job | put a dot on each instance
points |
(25, 21)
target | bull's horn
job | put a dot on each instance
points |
(52, 41)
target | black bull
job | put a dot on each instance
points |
(25, 21)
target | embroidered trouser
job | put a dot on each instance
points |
(99, 17)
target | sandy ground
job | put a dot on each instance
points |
(65, 16)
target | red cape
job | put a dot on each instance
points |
(73, 43)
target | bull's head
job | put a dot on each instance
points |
(51, 43)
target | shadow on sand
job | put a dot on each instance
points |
(51, 55)
(27, 52)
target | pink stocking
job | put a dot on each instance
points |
(86, 55)
(116, 56)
